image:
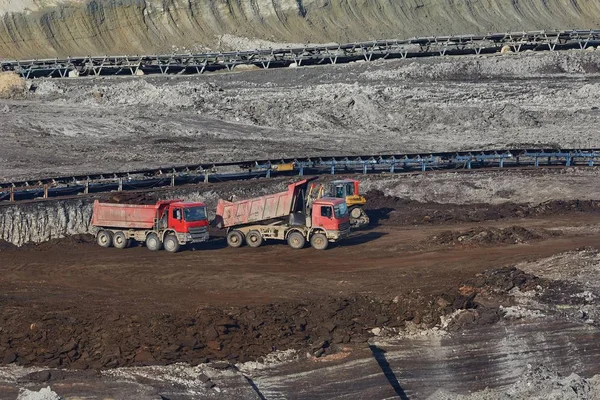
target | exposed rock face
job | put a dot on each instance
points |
(36, 28)
(38, 222)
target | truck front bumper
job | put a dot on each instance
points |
(185, 238)
(334, 236)
(199, 238)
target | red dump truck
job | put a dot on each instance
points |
(168, 223)
(293, 215)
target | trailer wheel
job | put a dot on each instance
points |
(153, 243)
(254, 239)
(319, 241)
(104, 238)
(296, 240)
(120, 241)
(235, 238)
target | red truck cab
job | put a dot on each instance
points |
(187, 221)
(185, 217)
(331, 214)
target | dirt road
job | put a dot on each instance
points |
(381, 261)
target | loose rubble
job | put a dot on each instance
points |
(321, 326)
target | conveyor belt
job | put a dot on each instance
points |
(301, 56)
(64, 186)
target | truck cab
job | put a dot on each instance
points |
(188, 220)
(331, 214)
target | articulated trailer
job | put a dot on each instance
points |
(293, 215)
(168, 223)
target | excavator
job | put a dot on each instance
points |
(346, 189)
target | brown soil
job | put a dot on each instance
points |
(68, 241)
(381, 207)
(4, 245)
(73, 304)
(132, 198)
(490, 236)
(322, 325)
(12, 86)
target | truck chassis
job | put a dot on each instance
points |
(296, 236)
(154, 239)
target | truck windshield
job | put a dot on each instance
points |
(193, 214)
(341, 210)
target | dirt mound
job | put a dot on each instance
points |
(78, 338)
(501, 281)
(397, 211)
(4, 245)
(490, 236)
(132, 198)
(11, 85)
(68, 241)
(489, 292)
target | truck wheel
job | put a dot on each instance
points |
(153, 242)
(120, 241)
(319, 241)
(104, 238)
(171, 244)
(296, 240)
(235, 238)
(254, 239)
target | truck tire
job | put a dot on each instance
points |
(296, 240)
(319, 241)
(171, 244)
(235, 238)
(153, 243)
(254, 239)
(104, 238)
(120, 241)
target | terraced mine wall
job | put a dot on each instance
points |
(54, 28)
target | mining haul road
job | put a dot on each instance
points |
(69, 303)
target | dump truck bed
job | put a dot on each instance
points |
(262, 208)
(132, 216)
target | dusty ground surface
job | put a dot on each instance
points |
(107, 124)
(388, 295)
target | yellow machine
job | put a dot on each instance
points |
(348, 189)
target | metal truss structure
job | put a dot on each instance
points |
(67, 186)
(304, 56)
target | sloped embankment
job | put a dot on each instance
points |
(151, 26)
